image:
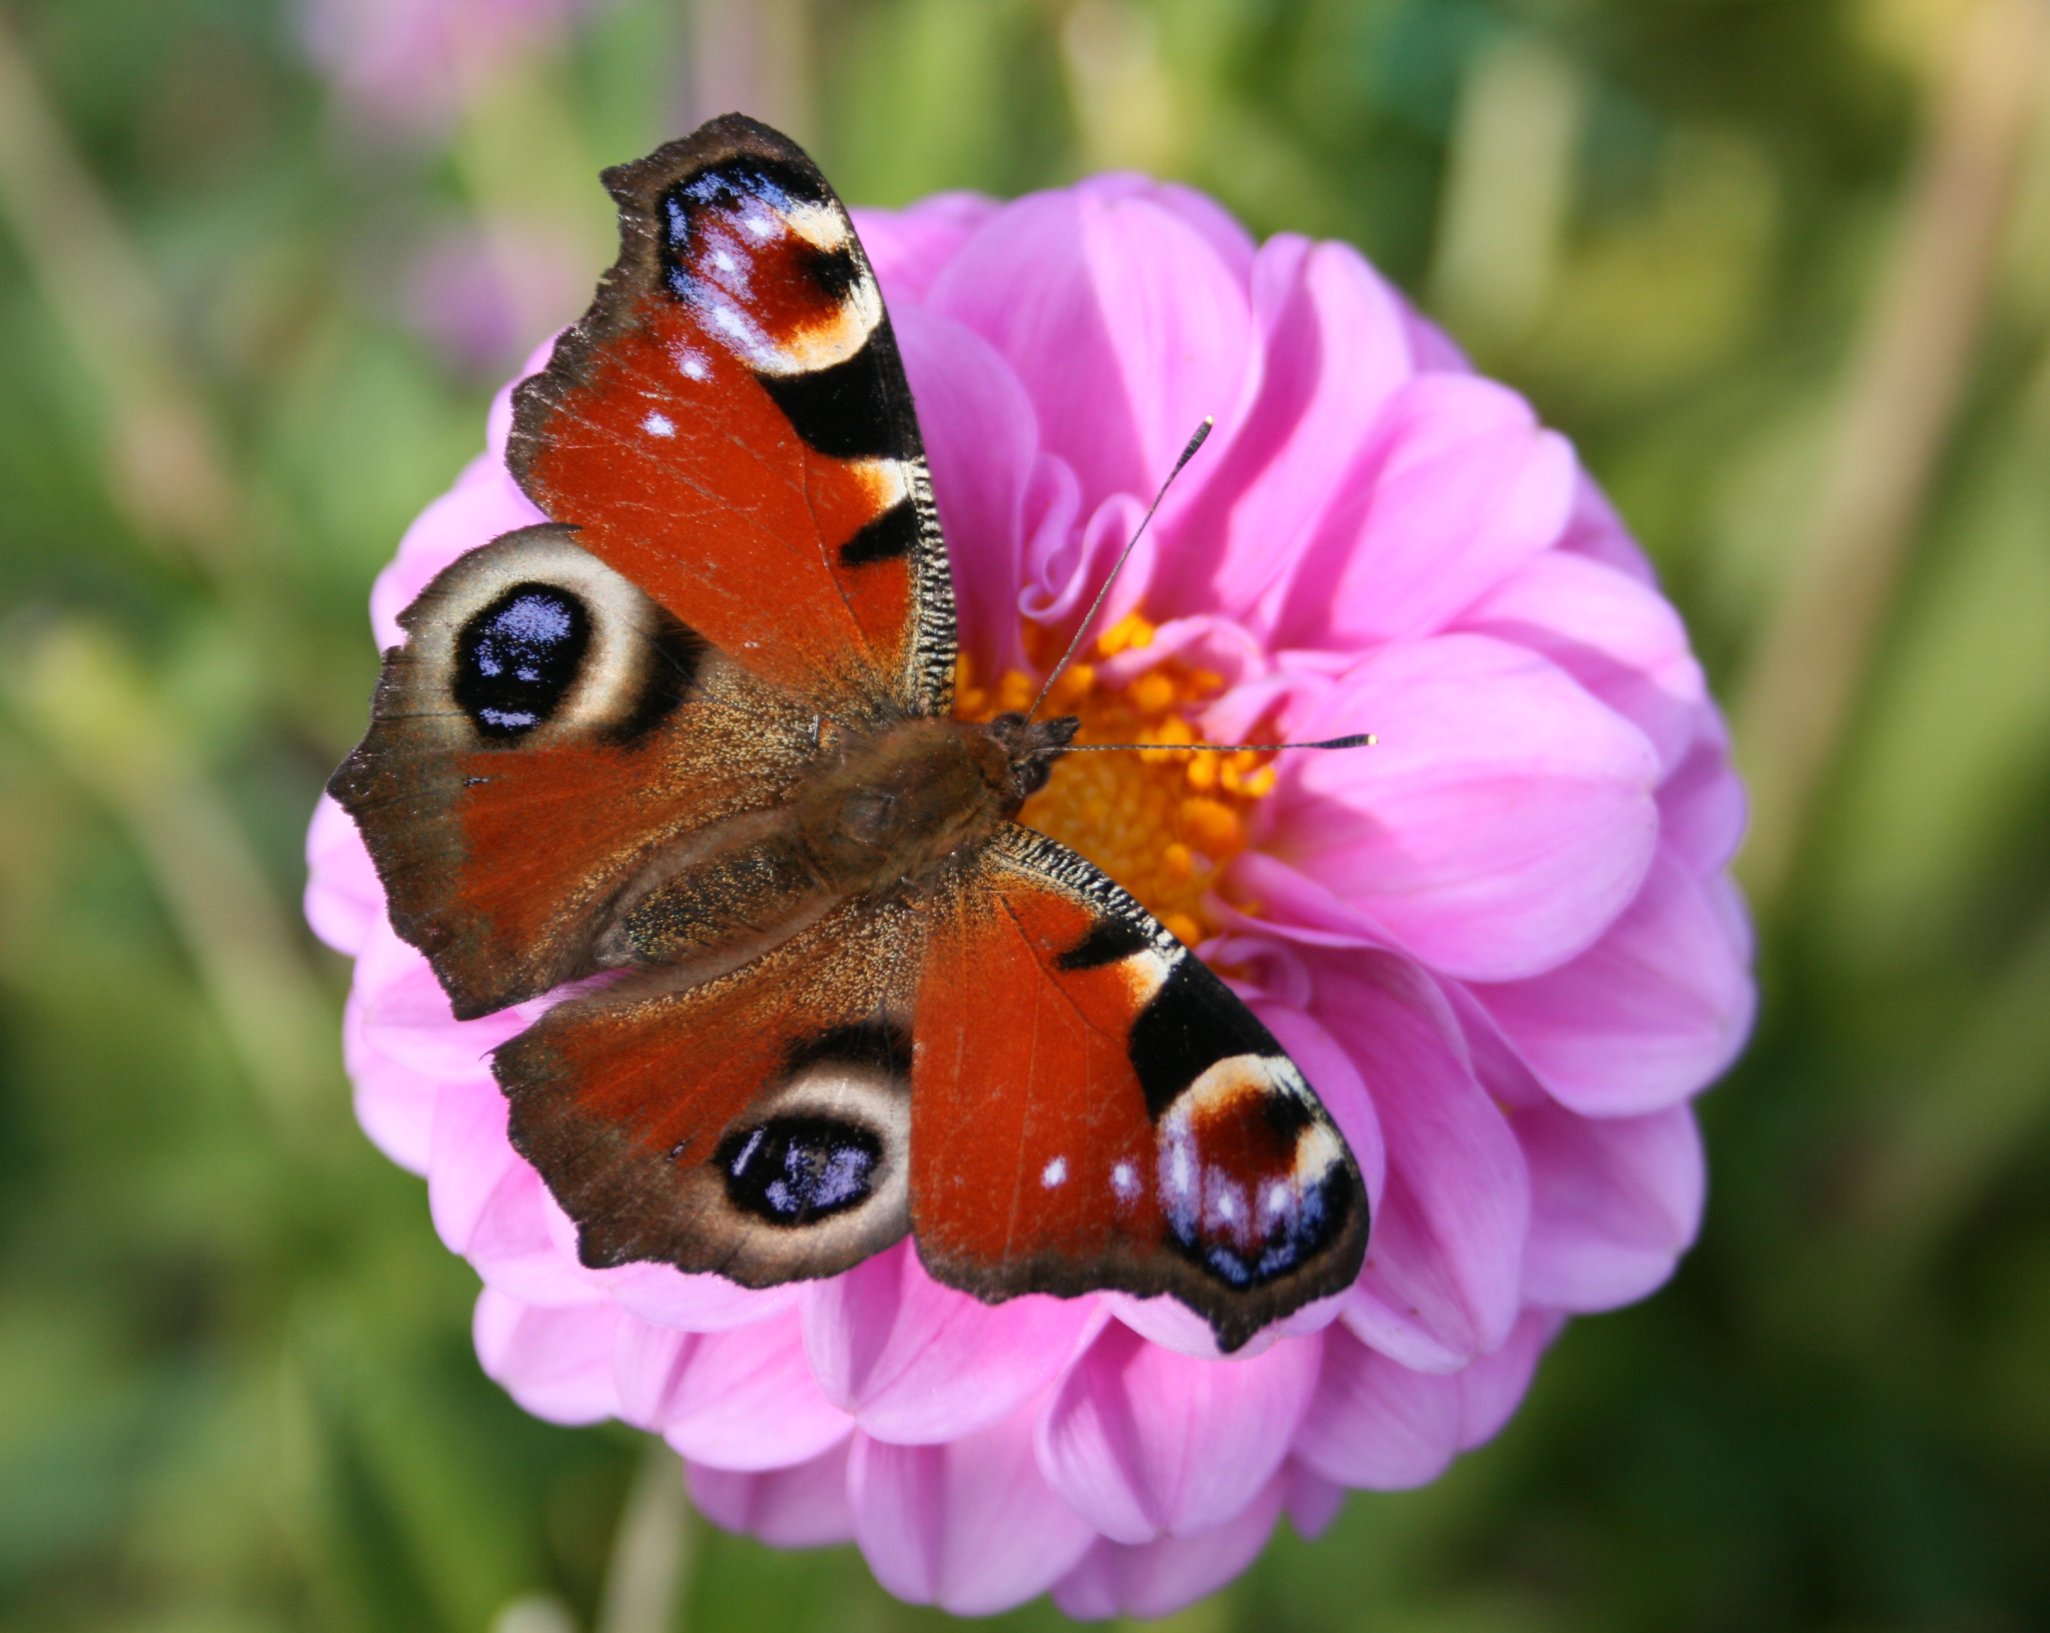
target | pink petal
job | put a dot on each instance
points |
(665, 1296)
(1618, 637)
(1311, 1501)
(1500, 824)
(1332, 349)
(1445, 1258)
(731, 1400)
(1458, 486)
(393, 1101)
(484, 503)
(1124, 322)
(1377, 1424)
(1142, 1441)
(1597, 532)
(1614, 1202)
(1158, 1578)
(557, 1363)
(491, 1207)
(1648, 1015)
(1494, 1386)
(909, 247)
(1702, 804)
(803, 1506)
(344, 901)
(916, 1362)
(969, 1526)
(998, 496)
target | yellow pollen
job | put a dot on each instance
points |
(1165, 821)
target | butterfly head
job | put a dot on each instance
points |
(1031, 747)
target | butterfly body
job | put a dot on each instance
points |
(691, 744)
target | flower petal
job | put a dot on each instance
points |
(730, 1400)
(1375, 1423)
(1142, 1441)
(1123, 320)
(908, 248)
(1458, 485)
(969, 1526)
(1161, 1577)
(1615, 635)
(998, 496)
(1500, 824)
(1649, 1014)
(915, 1362)
(556, 1362)
(1332, 349)
(1615, 1201)
(344, 901)
(803, 1506)
(1445, 1259)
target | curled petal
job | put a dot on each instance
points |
(802, 1506)
(1332, 350)
(1160, 1577)
(969, 1526)
(913, 1361)
(1499, 825)
(1142, 1441)
(556, 1362)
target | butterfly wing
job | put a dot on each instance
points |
(1092, 1107)
(756, 1124)
(729, 426)
(744, 542)
(545, 732)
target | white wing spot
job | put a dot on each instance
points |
(659, 425)
(1124, 1179)
(1055, 1173)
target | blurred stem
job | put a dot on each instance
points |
(1800, 691)
(650, 1564)
(97, 718)
(167, 472)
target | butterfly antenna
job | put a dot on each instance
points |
(1360, 739)
(1117, 566)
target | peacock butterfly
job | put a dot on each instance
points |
(696, 731)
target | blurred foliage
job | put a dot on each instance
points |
(236, 1389)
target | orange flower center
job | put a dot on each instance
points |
(1164, 821)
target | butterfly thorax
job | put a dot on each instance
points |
(879, 812)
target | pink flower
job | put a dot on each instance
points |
(1501, 943)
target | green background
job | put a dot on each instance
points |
(1780, 267)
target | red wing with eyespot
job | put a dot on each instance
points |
(729, 427)
(1092, 1107)
(546, 733)
(755, 1124)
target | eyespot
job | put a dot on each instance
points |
(531, 634)
(517, 658)
(793, 1171)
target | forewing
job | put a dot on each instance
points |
(729, 426)
(1093, 1108)
(546, 731)
(755, 1125)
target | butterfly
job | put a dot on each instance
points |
(690, 744)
